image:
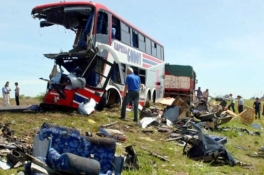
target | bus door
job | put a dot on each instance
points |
(97, 76)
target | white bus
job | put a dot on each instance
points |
(120, 45)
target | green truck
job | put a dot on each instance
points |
(180, 80)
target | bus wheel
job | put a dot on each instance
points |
(113, 97)
(102, 103)
(149, 96)
(154, 97)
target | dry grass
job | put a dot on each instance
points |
(23, 101)
(25, 124)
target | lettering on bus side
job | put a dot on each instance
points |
(132, 55)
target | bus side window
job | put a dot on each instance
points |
(142, 75)
(135, 39)
(115, 28)
(102, 23)
(153, 49)
(158, 52)
(162, 53)
(141, 42)
(116, 76)
(125, 34)
(148, 46)
(135, 69)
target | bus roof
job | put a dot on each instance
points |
(97, 5)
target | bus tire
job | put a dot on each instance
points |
(154, 97)
(148, 96)
(102, 103)
(113, 97)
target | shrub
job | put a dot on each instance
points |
(40, 97)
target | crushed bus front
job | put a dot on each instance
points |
(88, 71)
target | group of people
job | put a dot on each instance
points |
(6, 94)
(240, 105)
(202, 95)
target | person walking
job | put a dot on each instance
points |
(5, 93)
(132, 85)
(232, 103)
(257, 106)
(240, 105)
(17, 89)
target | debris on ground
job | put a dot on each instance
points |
(155, 154)
(131, 160)
(113, 133)
(11, 147)
(187, 125)
(61, 143)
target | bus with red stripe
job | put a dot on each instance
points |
(105, 45)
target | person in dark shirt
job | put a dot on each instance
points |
(17, 93)
(257, 106)
(199, 94)
(132, 85)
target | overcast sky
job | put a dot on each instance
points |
(222, 39)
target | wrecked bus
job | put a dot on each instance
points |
(104, 46)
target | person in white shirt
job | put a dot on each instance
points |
(206, 95)
(5, 94)
(240, 104)
(8, 93)
(17, 93)
(232, 103)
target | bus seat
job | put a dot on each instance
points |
(92, 79)
(88, 24)
(100, 27)
(113, 33)
(82, 40)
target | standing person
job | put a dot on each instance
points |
(132, 85)
(5, 93)
(17, 93)
(232, 103)
(206, 95)
(199, 94)
(257, 106)
(8, 94)
(240, 105)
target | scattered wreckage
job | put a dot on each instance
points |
(189, 125)
(62, 150)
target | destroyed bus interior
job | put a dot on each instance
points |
(86, 65)
(85, 70)
(71, 17)
(79, 19)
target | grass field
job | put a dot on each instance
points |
(25, 124)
